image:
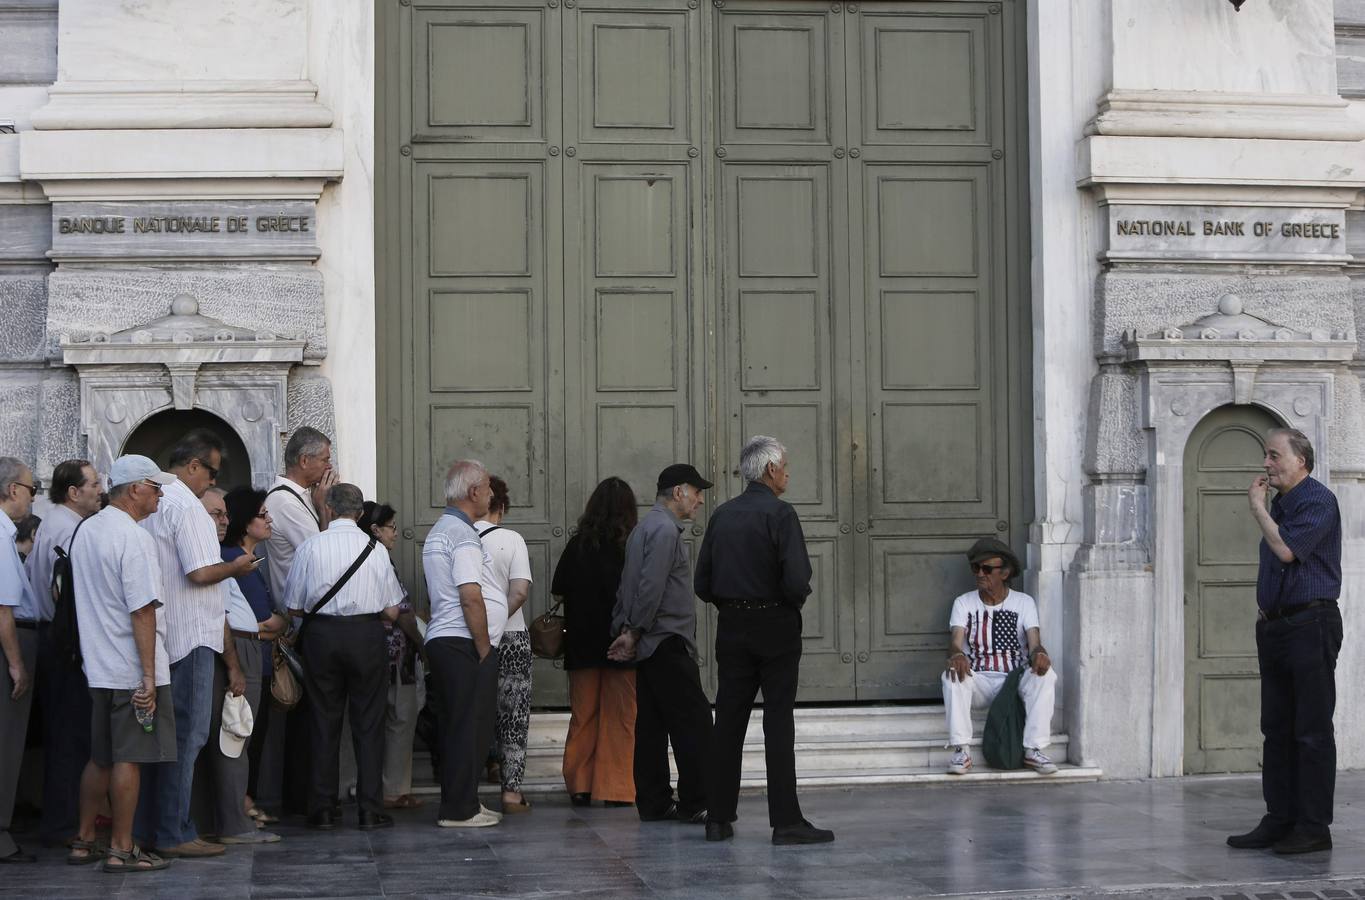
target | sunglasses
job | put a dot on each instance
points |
(32, 489)
(213, 473)
(986, 570)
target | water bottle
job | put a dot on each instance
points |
(145, 717)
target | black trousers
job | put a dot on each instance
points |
(346, 663)
(1298, 657)
(466, 703)
(671, 707)
(758, 648)
(64, 697)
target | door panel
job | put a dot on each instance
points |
(1222, 682)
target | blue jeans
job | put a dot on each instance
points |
(163, 807)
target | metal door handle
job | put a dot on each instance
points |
(847, 657)
(844, 529)
(863, 656)
(861, 527)
(696, 530)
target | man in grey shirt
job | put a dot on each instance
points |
(655, 619)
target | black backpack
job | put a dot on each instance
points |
(64, 631)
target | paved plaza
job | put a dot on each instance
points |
(1150, 839)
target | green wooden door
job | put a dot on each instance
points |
(626, 233)
(1222, 685)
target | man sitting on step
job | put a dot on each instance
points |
(991, 627)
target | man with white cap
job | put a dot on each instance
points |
(117, 585)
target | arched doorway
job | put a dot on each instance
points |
(1222, 684)
(158, 434)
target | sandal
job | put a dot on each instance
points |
(404, 801)
(517, 806)
(93, 852)
(262, 816)
(134, 860)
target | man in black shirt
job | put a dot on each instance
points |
(753, 566)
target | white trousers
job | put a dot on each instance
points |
(1037, 691)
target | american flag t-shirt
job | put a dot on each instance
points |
(992, 640)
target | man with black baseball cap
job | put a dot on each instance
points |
(655, 620)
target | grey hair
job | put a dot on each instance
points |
(305, 441)
(1299, 444)
(345, 500)
(461, 478)
(119, 491)
(10, 470)
(222, 492)
(759, 452)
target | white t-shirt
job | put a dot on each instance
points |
(294, 520)
(453, 555)
(996, 637)
(115, 573)
(58, 524)
(510, 559)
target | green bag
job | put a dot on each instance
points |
(1002, 743)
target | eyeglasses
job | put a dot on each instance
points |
(213, 473)
(151, 484)
(985, 569)
(32, 489)
(263, 514)
(219, 514)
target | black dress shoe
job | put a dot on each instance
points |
(805, 833)
(323, 820)
(1302, 842)
(616, 804)
(371, 821)
(719, 831)
(694, 818)
(581, 799)
(1263, 835)
(19, 856)
(669, 814)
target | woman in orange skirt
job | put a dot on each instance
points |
(599, 753)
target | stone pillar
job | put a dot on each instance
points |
(1222, 162)
(184, 150)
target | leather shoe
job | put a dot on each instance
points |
(687, 818)
(1263, 835)
(719, 831)
(581, 799)
(667, 815)
(1302, 842)
(372, 821)
(18, 856)
(323, 820)
(805, 833)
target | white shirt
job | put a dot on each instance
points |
(510, 559)
(240, 616)
(293, 521)
(995, 637)
(453, 555)
(55, 532)
(14, 586)
(114, 567)
(324, 558)
(186, 540)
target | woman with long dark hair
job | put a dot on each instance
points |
(599, 753)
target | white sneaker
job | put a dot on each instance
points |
(1037, 760)
(480, 819)
(961, 763)
(483, 810)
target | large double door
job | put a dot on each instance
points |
(629, 233)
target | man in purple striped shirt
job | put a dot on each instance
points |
(1298, 636)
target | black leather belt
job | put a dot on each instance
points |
(26, 623)
(751, 604)
(362, 617)
(1284, 612)
(247, 635)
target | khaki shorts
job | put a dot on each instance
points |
(116, 736)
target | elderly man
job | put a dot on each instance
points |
(1298, 637)
(192, 571)
(63, 695)
(753, 567)
(19, 614)
(123, 641)
(342, 590)
(655, 619)
(466, 612)
(994, 630)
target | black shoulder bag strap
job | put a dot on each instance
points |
(488, 531)
(332, 592)
(279, 487)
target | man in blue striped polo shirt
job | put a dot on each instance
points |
(1298, 636)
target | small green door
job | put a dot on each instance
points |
(1222, 685)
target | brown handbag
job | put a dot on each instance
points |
(547, 632)
(285, 689)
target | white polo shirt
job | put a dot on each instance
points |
(55, 532)
(115, 572)
(186, 540)
(294, 519)
(453, 555)
(322, 559)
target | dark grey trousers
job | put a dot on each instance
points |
(13, 730)
(220, 781)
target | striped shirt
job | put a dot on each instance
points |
(294, 519)
(324, 558)
(453, 555)
(114, 567)
(14, 587)
(995, 638)
(53, 533)
(187, 540)
(1310, 525)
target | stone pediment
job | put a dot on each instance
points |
(1230, 334)
(182, 336)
